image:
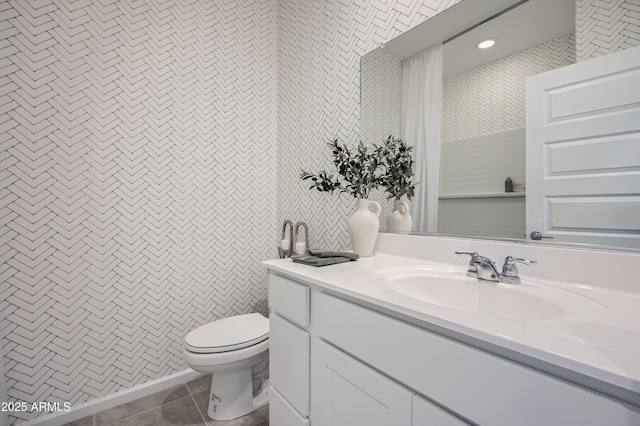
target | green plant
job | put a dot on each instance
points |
(358, 171)
(397, 163)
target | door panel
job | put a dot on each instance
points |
(583, 151)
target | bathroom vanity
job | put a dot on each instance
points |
(405, 337)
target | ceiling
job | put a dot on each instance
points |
(529, 24)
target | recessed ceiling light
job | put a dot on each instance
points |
(486, 43)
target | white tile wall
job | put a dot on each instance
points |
(137, 193)
(482, 163)
(490, 98)
(319, 98)
(606, 26)
(138, 189)
(380, 96)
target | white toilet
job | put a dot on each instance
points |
(236, 351)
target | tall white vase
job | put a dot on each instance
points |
(363, 226)
(399, 220)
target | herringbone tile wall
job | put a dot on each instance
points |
(380, 106)
(380, 96)
(491, 98)
(606, 26)
(138, 185)
(320, 45)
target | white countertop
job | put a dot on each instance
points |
(604, 345)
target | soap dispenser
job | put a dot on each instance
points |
(508, 185)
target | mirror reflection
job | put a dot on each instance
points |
(482, 133)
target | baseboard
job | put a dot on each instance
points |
(115, 399)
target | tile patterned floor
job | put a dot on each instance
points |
(184, 405)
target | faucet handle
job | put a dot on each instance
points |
(476, 259)
(509, 269)
(473, 255)
(512, 260)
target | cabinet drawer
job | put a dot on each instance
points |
(281, 413)
(475, 384)
(289, 362)
(289, 299)
(425, 413)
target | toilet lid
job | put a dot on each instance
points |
(228, 334)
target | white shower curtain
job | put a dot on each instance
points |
(421, 119)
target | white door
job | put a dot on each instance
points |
(348, 393)
(583, 151)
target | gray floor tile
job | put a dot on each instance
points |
(198, 385)
(86, 421)
(182, 412)
(260, 415)
(173, 407)
(141, 405)
(250, 419)
(202, 401)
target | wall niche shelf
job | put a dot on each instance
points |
(481, 195)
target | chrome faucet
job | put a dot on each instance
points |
(510, 270)
(483, 268)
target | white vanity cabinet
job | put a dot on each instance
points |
(346, 392)
(426, 413)
(474, 384)
(336, 389)
(339, 360)
(289, 346)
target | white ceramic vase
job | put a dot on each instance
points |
(363, 226)
(399, 220)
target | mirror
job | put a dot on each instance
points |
(483, 126)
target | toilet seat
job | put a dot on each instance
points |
(228, 334)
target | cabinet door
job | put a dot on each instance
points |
(289, 362)
(348, 393)
(281, 413)
(426, 413)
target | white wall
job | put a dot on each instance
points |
(483, 140)
(138, 187)
(605, 27)
(319, 98)
(319, 77)
(380, 96)
(490, 98)
(137, 194)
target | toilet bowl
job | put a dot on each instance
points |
(236, 351)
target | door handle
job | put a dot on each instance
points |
(537, 235)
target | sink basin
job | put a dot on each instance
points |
(453, 289)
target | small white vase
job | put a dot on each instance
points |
(363, 226)
(399, 220)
